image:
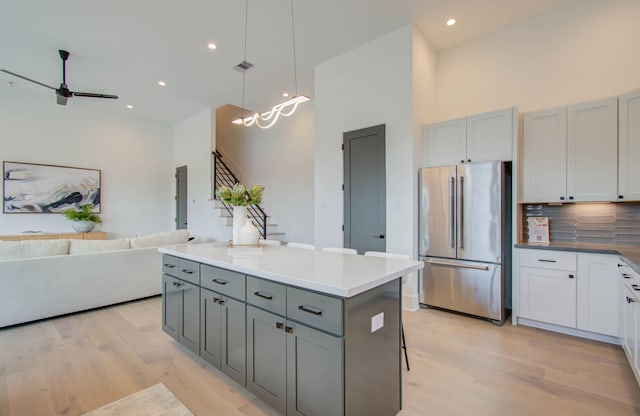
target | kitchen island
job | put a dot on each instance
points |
(308, 332)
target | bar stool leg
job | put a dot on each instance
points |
(404, 347)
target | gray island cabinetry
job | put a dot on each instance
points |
(308, 332)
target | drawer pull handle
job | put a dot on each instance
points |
(220, 282)
(279, 325)
(169, 266)
(187, 271)
(546, 261)
(570, 276)
(635, 287)
(288, 329)
(305, 309)
(626, 276)
(260, 295)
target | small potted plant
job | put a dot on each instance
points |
(239, 198)
(84, 220)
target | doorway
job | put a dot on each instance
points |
(181, 198)
(365, 194)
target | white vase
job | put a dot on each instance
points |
(249, 234)
(239, 218)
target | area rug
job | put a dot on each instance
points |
(156, 400)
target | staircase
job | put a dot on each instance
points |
(222, 175)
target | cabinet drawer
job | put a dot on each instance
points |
(319, 311)
(267, 295)
(190, 271)
(548, 259)
(222, 281)
(170, 265)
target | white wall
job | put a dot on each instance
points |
(134, 156)
(280, 158)
(371, 85)
(587, 50)
(193, 141)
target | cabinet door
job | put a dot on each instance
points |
(629, 147)
(171, 306)
(548, 296)
(628, 336)
(190, 320)
(233, 340)
(592, 151)
(490, 136)
(597, 292)
(544, 162)
(314, 372)
(267, 357)
(446, 143)
(210, 327)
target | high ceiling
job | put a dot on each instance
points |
(125, 47)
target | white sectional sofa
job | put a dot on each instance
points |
(38, 279)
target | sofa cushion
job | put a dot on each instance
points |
(93, 246)
(33, 248)
(160, 239)
(9, 250)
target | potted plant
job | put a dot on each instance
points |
(239, 198)
(84, 220)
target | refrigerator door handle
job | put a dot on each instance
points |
(461, 209)
(452, 212)
(452, 264)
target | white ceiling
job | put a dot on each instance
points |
(124, 47)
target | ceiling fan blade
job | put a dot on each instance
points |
(27, 79)
(62, 100)
(94, 95)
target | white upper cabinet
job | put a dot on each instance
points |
(479, 138)
(490, 136)
(570, 154)
(629, 147)
(446, 142)
(544, 165)
(592, 151)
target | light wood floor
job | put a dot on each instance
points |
(459, 366)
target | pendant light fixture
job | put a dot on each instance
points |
(287, 108)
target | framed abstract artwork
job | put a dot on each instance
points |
(36, 188)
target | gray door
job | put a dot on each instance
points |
(314, 372)
(171, 307)
(267, 357)
(181, 198)
(210, 330)
(234, 340)
(365, 189)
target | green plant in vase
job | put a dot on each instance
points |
(83, 220)
(239, 198)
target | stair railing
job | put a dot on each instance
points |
(222, 175)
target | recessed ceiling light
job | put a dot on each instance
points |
(451, 22)
(285, 94)
(162, 83)
(129, 106)
(212, 45)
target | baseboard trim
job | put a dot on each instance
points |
(568, 331)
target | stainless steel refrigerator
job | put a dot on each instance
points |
(465, 238)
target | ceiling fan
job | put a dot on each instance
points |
(62, 92)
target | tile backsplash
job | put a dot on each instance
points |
(612, 223)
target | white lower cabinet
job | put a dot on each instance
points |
(577, 291)
(629, 286)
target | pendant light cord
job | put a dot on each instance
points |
(293, 36)
(244, 56)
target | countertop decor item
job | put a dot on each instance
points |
(240, 198)
(84, 220)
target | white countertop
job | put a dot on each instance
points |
(338, 274)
